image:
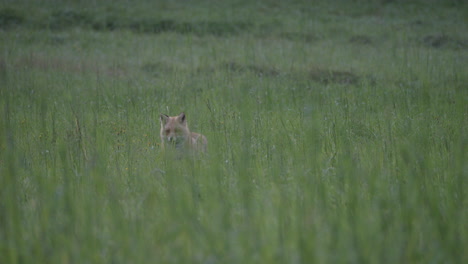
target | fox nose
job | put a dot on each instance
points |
(170, 138)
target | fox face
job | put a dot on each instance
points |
(174, 129)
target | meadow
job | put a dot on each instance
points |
(337, 130)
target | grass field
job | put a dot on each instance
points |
(338, 131)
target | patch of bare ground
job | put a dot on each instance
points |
(327, 76)
(360, 40)
(157, 69)
(296, 36)
(315, 74)
(255, 69)
(444, 41)
(65, 65)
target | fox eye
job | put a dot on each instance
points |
(168, 131)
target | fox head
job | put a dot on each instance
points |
(174, 129)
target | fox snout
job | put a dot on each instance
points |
(174, 139)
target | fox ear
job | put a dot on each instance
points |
(163, 118)
(181, 117)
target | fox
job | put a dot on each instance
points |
(175, 133)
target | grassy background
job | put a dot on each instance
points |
(337, 131)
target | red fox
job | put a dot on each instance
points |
(175, 132)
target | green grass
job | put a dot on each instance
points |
(337, 132)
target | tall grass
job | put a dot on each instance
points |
(336, 135)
